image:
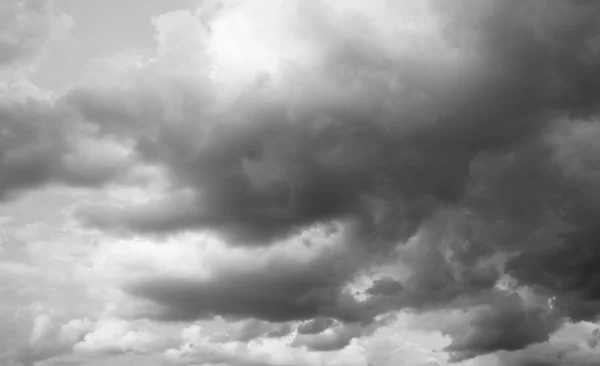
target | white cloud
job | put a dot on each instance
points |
(118, 336)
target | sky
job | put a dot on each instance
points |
(299, 183)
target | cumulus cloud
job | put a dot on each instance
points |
(324, 146)
(465, 145)
(112, 336)
(451, 144)
(196, 349)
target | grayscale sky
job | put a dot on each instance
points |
(299, 182)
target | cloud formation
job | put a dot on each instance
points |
(443, 153)
(391, 141)
(43, 144)
(279, 288)
(507, 323)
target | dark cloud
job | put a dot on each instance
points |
(508, 323)
(385, 287)
(280, 291)
(561, 266)
(481, 148)
(567, 270)
(556, 353)
(521, 65)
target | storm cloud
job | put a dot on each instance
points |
(464, 146)
(451, 145)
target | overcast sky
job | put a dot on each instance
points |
(299, 182)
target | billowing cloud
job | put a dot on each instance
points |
(506, 324)
(116, 336)
(460, 146)
(42, 144)
(334, 338)
(442, 153)
(567, 347)
(296, 280)
(321, 147)
(196, 349)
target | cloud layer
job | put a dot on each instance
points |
(310, 169)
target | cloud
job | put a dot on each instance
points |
(50, 338)
(197, 349)
(508, 323)
(247, 330)
(385, 287)
(335, 338)
(27, 27)
(337, 156)
(452, 144)
(320, 154)
(567, 347)
(112, 336)
(296, 280)
(42, 143)
(566, 271)
(315, 326)
(463, 147)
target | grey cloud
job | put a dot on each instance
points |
(16, 42)
(567, 270)
(565, 206)
(251, 329)
(25, 28)
(282, 291)
(476, 154)
(323, 164)
(508, 323)
(556, 353)
(593, 338)
(40, 145)
(385, 287)
(337, 338)
(315, 326)
(449, 263)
